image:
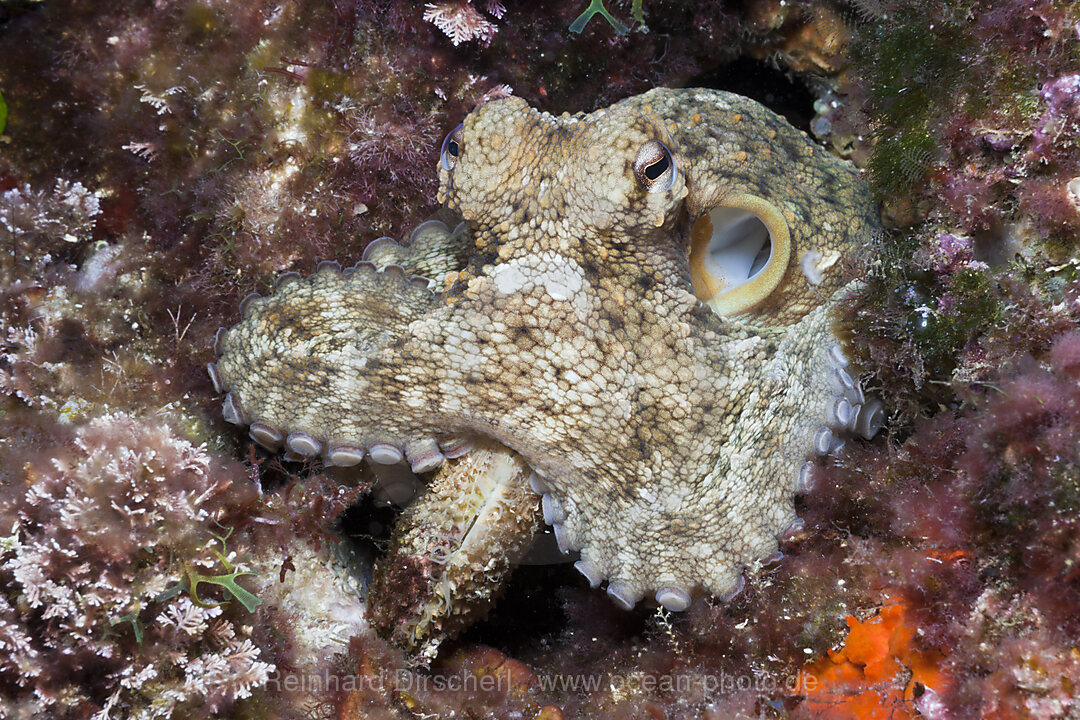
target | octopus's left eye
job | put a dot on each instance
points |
(654, 167)
(451, 148)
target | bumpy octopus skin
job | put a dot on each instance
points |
(667, 435)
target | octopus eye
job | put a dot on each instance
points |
(654, 167)
(739, 253)
(451, 148)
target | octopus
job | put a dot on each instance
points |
(631, 328)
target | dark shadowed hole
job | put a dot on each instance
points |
(775, 89)
(531, 608)
(12, 9)
(366, 527)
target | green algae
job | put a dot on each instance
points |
(596, 7)
(915, 64)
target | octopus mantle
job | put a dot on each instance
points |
(638, 303)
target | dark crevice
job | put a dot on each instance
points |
(774, 88)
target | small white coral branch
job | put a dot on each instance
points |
(460, 21)
(189, 617)
(158, 101)
(145, 150)
(231, 674)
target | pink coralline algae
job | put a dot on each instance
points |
(1062, 114)
(44, 222)
(102, 535)
(951, 254)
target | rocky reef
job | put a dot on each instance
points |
(160, 161)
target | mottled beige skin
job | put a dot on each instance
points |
(668, 437)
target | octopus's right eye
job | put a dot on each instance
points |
(451, 148)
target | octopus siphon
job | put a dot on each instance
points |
(631, 328)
